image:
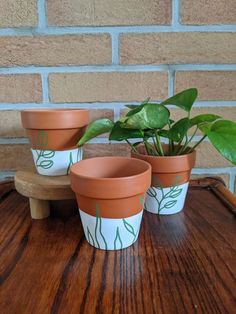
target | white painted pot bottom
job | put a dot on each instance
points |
(55, 163)
(166, 201)
(109, 233)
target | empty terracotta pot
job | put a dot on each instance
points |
(110, 193)
(170, 180)
(53, 135)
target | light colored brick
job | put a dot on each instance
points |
(109, 86)
(178, 48)
(208, 12)
(55, 50)
(12, 124)
(108, 12)
(99, 150)
(15, 157)
(223, 176)
(101, 113)
(16, 13)
(20, 88)
(213, 85)
(12, 121)
(208, 157)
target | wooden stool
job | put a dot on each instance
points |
(42, 189)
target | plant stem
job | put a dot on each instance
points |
(147, 148)
(199, 142)
(188, 142)
(155, 145)
(132, 146)
(159, 143)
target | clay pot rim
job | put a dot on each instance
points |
(110, 179)
(54, 119)
(165, 157)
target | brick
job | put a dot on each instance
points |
(178, 48)
(55, 50)
(18, 13)
(20, 88)
(213, 85)
(100, 150)
(12, 121)
(108, 12)
(223, 176)
(209, 157)
(108, 86)
(12, 124)
(101, 113)
(14, 157)
(208, 12)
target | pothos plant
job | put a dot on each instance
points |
(151, 124)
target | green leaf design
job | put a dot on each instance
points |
(152, 192)
(183, 100)
(48, 154)
(170, 204)
(42, 139)
(96, 128)
(90, 237)
(99, 222)
(45, 164)
(175, 193)
(118, 239)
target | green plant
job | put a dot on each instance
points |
(150, 123)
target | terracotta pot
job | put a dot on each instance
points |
(110, 193)
(53, 135)
(170, 180)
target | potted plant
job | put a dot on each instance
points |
(110, 192)
(146, 126)
(53, 134)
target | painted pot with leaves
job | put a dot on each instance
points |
(53, 135)
(168, 145)
(110, 192)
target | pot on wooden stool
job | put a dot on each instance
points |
(53, 135)
(110, 193)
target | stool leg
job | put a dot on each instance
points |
(39, 209)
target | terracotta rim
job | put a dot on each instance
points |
(167, 164)
(49, 119)
(104, 187)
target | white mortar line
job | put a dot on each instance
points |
(66, 30)
(107, 105)
(6, 174)
(42, 20)
(171, 82)
(176, 14)
(117, 68)
(45, 92)
(115, 49)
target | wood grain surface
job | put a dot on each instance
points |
(184, 263)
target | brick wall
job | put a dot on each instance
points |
(102, 54)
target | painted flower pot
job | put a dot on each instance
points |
(53, 135)
(170, 180)
(110, 193)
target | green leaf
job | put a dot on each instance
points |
(222, 135)
(184, 100)
(136, 106)
(151, 116)
(96, 128)
(119, 134)
(203, 118)
(177, 131)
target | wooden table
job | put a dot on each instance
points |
(185, 263)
